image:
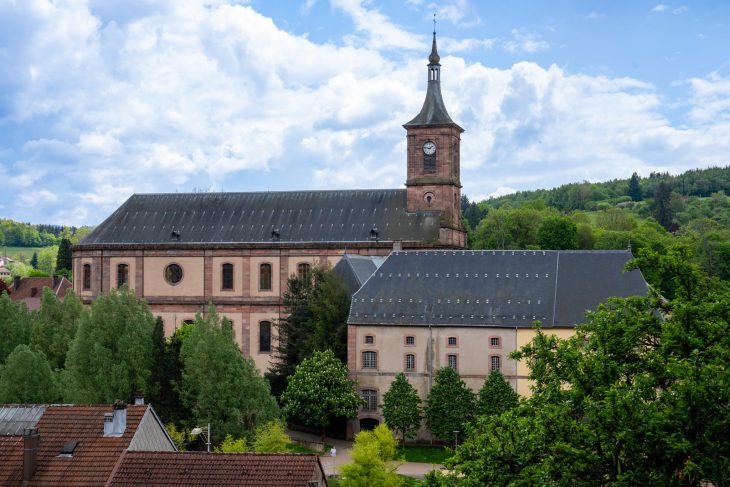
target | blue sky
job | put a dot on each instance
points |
(100, 99)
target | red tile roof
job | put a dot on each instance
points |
(93, 459)
(25, 291)
(178, 469)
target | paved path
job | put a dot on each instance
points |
(331, 465)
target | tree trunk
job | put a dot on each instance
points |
(324, 430)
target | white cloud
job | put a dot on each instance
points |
(525, 42)
(659, 8)
(186, 95)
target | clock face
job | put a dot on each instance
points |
(429, 148)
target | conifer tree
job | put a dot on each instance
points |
(635, 188)
(34, 260)
(64, 259)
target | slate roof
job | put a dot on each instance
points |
(356, 269)
(500, 288)
(94, 456)
(178, 469)
(298, 216)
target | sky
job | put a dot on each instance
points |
(100, 99)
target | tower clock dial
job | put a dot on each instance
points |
(429, 148)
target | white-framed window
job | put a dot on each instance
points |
(370, 396)
(453, 361)
(369, 339)
(370, 360)
(410, 340)
(451, 341)
(410, 362)
(495, 363)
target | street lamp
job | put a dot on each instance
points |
(456, 439)
(205, 433)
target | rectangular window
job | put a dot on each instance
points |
(496, 363)
(410, 340)
(122, 275)
(303, 270)
(452, 359)
(369, 360)
(494, 342)
(369, 339)
(227, 277)
(370, 396)
(87, 277)
(451, 342)
(265, 336)
(410, 362)
(265, 277)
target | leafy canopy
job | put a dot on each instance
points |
(450, 404)
(402, 407)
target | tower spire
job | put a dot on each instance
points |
(434, 58)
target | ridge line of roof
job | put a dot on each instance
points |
(304, 191)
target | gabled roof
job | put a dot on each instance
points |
(195, 469)
(266, 217)
(356, 269)
(93, 458)
(511, 288)
(30, 289)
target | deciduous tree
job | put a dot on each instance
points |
(26, 378)
(450, 404)
(372, 455)
(496, 395)
(219, 385)
(55, 326)
(111, 354)
(558, 233)
(320, 391)
(15, 325)
(271, 438)
(402, 407)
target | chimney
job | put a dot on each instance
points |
(119, 422)
(108, 424)
(31, 442)
(139, 398)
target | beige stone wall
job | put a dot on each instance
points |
(525, 336)
(112, 278)
(192, 283)
(473, 350)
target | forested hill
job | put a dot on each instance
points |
(658, 211)
(17, 234)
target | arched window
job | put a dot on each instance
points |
(496, 363)
(410, 362)
(370, 360)
(122, 274)
(227, 276)
(453, 361)
(303, 270)
(265, 336)
(265, 277)
(370, 396)
(87, 277)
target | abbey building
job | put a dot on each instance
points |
(181, 251)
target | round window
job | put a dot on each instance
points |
(173, 274)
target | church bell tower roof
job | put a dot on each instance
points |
(433, 111)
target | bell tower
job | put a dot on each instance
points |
(433, 180)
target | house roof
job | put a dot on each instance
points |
(222, 469)
(356, 269)
(14, 418)
(93, 458)
(30, 289)
(265, 217)
(499, 288)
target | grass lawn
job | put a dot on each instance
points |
(15, 252)
(407, 481)
(424, 454)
